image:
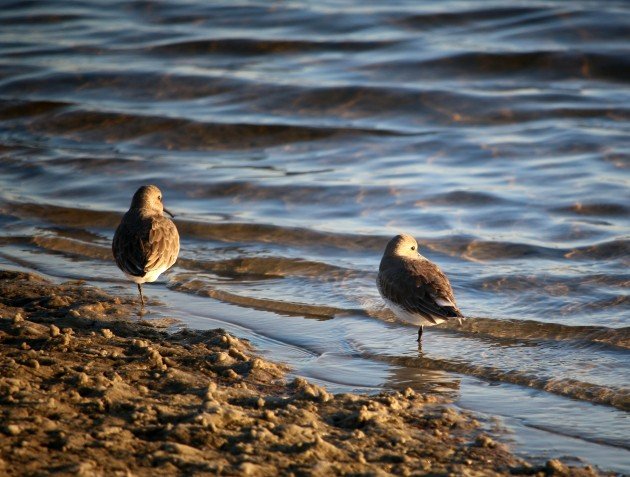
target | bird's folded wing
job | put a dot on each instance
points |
(425, 292)
(129, 250)
(162, 245)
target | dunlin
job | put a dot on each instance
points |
(146, 243)
(414, 288)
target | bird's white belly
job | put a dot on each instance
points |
(408, 317)
(150, 276)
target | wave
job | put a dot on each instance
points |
(538, 64)
(318, 106)
(552, 285)
(466, 247)
(595, 209)
(537, 330)
(572, 388)
(267, 267)
(500, 331)
(242, 267)
(613, 249)
(62, 216)
(446, 19)
(293, 112)
(290, 308)
(528, 331)
(35, 18)
(342, 195)
(182, 134)
(262, 46)
(11, 109)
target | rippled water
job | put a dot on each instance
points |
(293, 139)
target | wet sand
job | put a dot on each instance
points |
(87, 388)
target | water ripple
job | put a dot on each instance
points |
(293, 140)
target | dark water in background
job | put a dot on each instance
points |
(292, 139)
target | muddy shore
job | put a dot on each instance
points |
(87, 388)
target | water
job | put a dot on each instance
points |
(293, 139)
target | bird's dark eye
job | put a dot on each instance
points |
(413, 247)
(160, 198)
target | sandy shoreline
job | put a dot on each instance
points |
(88, 389)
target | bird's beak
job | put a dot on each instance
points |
(168, 212)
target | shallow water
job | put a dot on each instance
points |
(292, 140)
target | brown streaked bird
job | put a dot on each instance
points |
(146, 243)
(414, 288)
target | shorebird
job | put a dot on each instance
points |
(414, 288)
(146, 243)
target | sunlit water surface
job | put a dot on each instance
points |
(293, 139)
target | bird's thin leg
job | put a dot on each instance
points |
(141, 297)
(420, 333)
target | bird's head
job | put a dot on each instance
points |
(402, 245)
(149, 197)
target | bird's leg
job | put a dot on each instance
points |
(420, 333)
(141, 297)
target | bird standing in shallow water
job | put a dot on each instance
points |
(146, 243)
(414, 288)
